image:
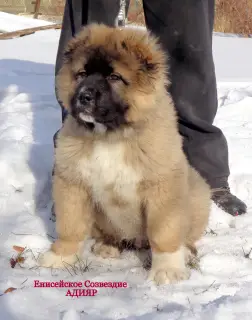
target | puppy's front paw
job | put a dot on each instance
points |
(169, 267)
(105, 251)
(50, 259)
(168, 275)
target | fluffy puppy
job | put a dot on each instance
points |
(120, 172)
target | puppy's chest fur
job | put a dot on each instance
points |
(114, 185)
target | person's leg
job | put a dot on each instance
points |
(185, 31)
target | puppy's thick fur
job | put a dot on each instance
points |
(124, 177)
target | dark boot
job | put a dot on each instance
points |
(229, 203)
(185, 30)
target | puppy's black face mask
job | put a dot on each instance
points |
(95, 101)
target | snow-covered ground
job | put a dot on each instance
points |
(9, 22)
(29, 116)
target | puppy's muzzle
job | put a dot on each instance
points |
(86, 103)
(86, 97)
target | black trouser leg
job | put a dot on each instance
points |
(185, 29)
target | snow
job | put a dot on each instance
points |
(29, 116)
(9, 22)
(232, 64)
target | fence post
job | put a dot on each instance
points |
(36, 10)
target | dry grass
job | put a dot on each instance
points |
(233, 16)
(136, 14)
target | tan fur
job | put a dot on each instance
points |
(135, 182)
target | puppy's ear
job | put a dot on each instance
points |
(149, 65)
(152, 57)
(70, 48)
(148, 62)
(80, 39)
(146, 50)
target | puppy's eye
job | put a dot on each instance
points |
(81, 74)
(114, 77)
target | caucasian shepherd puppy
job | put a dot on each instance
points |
(120, 172)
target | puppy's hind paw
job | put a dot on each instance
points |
(105, 251)
(168, 276)
(50, 259)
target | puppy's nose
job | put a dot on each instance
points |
(86, 97)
